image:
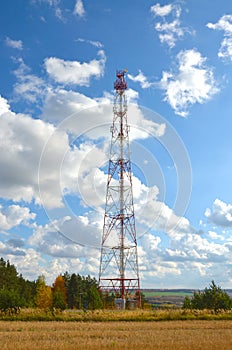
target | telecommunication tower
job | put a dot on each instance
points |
(119, 259)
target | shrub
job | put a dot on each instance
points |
(213, 298)
(10, 302)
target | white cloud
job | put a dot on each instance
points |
(74, 72)
(28, 86)
(79, 9)
(6, 249)
(161, 11)
(15, 44)
(14, 215)
(53, 4)
(215, 236)
(22, 139)
(155, 215)
(62, 166)
(221, 214)
(93, 117)
(140, 78)
(69, 236)
(194, 82)
(97, 44)
(224, 24)
(169, 31)
(31, 264)
(4, 106)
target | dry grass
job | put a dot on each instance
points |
(171, 335)
(117, 315)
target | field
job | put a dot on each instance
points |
(165, 335)
(165, 298)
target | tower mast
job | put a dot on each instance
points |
(119, 260)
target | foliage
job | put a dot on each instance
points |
(59, 293)
(12, 282)
(9, 301)
(58, 301)
(82, 292)
(43, 299)
(108, 300)
(211, 298)
(8, 275)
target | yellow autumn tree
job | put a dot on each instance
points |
(43, 298)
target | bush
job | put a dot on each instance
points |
(213, 298)
(10, 302)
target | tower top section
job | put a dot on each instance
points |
(120, 84)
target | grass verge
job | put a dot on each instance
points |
(116, 315)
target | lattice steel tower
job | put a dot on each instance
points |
(119, 260)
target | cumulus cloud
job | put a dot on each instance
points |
(69, 242)
(193, 82)
(170, 30)
(14, 44)
(31, 264)
(14, 215)
(22, 139)
(8, 250)
(155, 215)
(142, 79)
(180, 248)
(93, 116)
(220, 214)
(159, 10)
(224, 24)
(75, 72)
(16, 242)
(76, 233)
(79, 9)
(215, 236)
(4, 106)
(33, 149)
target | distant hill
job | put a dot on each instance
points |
(160, 298)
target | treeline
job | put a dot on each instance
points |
(212, 298)
(68, 291)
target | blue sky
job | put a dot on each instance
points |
(58, 62)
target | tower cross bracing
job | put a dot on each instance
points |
(119, 271)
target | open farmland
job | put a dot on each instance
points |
(174, 335)
(165, 297)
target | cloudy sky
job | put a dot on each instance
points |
(58, 62)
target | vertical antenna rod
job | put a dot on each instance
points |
(119, 260)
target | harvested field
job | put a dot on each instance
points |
(166, 335)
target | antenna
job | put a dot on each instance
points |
(119, 259)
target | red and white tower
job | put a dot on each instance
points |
(119, 260)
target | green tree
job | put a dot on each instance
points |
(211, 298)
(82, 292)
(59, 293)
(8, 275)
(94, 298)
(9, 301)
(27, 291)
(58, 301)
(12, 282)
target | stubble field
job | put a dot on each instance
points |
(165, 335)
